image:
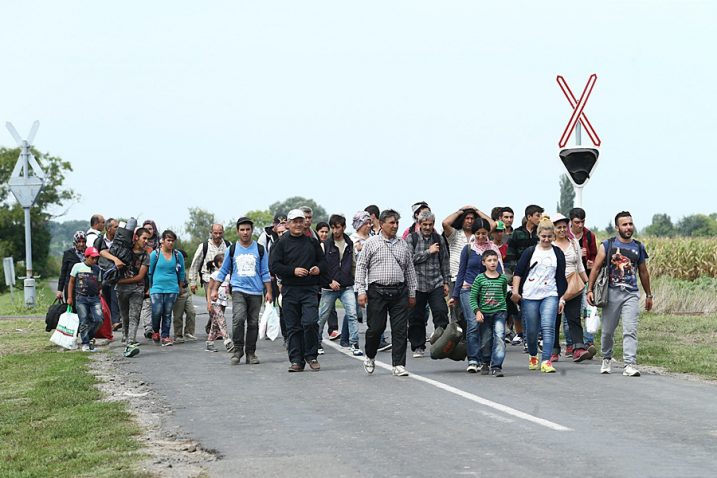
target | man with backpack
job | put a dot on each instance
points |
(248, 264)
(432, 264)
(216, 244)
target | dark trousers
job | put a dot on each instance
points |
(575, 327)
(378, 307)
(245, 310)
(301, 314)
(418, 317)
(110, 295)
(457, 310)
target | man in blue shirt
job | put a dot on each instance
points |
(248, 265)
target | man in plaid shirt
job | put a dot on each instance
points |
(386, 266)
(430, 258)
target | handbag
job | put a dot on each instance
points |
(53, 314)
(601, 286)
(575, 282)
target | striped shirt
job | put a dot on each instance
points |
(385, 262)
(489, 294)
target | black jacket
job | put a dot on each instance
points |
(340, 270)
(69, 259)
(291, 252)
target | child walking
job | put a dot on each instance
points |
(488, 302)
(216, 308)
(84, 288)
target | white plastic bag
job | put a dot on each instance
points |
(273, 326)
(263, 320)
(65, 334)
(592, 321)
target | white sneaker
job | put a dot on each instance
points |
(472, 368)
(369, 365)
(517, 340)
(606, 366)
(631, 371)
(320, 351)
(190, 337)
(419, 353)
(400, 371)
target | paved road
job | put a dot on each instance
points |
(438, 422)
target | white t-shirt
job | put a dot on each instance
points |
(541, 277)
(456, 243)
(223, 292)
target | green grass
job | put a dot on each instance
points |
(44, 297)
(52, 422)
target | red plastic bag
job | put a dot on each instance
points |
(105, 330)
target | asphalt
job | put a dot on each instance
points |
(441, 421)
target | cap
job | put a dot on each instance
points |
(361, 218)
(295, 214)
(557, 217)
(279, 217)
(419, 205)
(499, 226)
(244, 220)
(91, 252)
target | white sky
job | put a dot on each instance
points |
(231, 106)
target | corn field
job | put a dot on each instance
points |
(681, 258)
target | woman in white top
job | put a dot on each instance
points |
(573, 266)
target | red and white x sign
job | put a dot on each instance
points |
(578, 107)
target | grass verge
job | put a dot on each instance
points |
(52, 419)
(44, 297)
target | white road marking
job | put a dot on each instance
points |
(467, 395)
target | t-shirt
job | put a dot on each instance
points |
(541, 277)
(248, 273)
(132, 269)
(223, 291)
(87, 279)
(624, 260)
(488, 294)
(456, 242)
(166, 273)
(341, 246)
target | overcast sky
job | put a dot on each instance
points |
(231, 106)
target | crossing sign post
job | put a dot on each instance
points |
(25, 182)
(579, 162)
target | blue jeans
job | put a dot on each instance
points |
(89, 311)
(540, 314)
(348, 300)
(162, 306)
(493, 328)
(473, 344)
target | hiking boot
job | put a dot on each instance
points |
(419, 353)
(252, 359)
(533, 363)
(472, 367)
(190, 338)
(631, 370)
(485, 369)
(236, 357)
(314, 365)
(335, 334)
(547, 367)
(383, 346)
(400, 371)
(155, 337)
(179, 339)
(167, 342)
(356, 351)
(210, 347)
(369, 365)
(606, 366)
(295, 367)
(496, 372)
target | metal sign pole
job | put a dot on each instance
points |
(578, 189)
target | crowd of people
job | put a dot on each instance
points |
(502, 285)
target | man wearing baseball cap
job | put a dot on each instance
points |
(84, 290)
(248, 264)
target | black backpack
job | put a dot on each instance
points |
(435, 238)
(233, 248)
(205, 248)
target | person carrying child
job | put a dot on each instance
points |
(218, 325)
(84, 290)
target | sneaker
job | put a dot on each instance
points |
(229, 346)
(167, 342)
(314, 365)
(295, 367)
(116, 326)
(496, 372)
(419, 353)
(606, 366)
(400, 371)
(369, 365)
(320, 351)
(155, 337)
(508, 339)
(472, 368)
(382, 347)
(131, 351)
(569, 351)
(485, 369)
(517, 340)
(334, 335)
(236, 357)
(525, 347)
(547, 367)
(593, 351)
(179, 339)
(252, 359)
(190, 338)
(86, 348)
(540, 345)
(356, 351)
(533, 363)
(148, 334)
(631, 371)
(210, 347)
(580, 354)
(554, 357)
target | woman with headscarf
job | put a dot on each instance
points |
(71, 257)
(153, 242)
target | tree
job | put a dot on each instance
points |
(198, 227)
(567, 196)
(697, 225)
(61, 234)
(610, 229)
(661, 226)
(12, 218)
(296, 202)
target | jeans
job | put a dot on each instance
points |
(418, 318)
(492, 329)
(89, 311)
(540, 314)
(588, 338)
(348, 300)
(245, 309)
(162, 305)
(379, 306)
(130, 299)
(626, 305)
(473, 342)
(184, 306)
(302, 322)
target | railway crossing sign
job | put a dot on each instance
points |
(27, 177)
(578, 114)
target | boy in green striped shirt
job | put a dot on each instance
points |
(488, 302)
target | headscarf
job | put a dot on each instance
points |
(153, 241)
(77, 237)
(360, 218)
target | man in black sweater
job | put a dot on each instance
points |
(298, 261)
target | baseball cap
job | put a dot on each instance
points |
(419, 205)
(295, 214)
(557, 218)
(499, 226)
(244, 220)
(91, 252)
(279, 217)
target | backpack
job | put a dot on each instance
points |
(436, 238)
(232, 249)
(154, 266)
(205, 248)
